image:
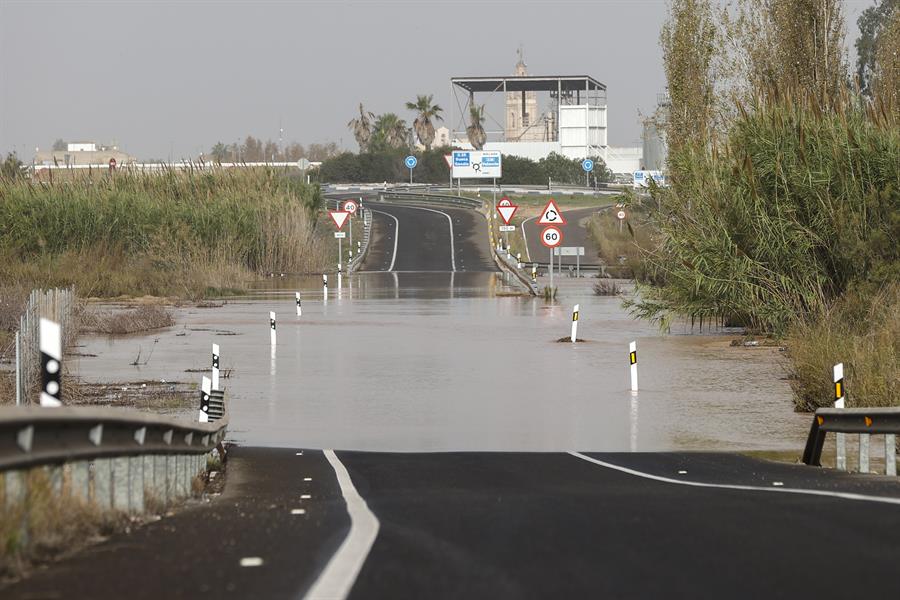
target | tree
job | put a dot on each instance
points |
(872, 22)
(362, 128)
(390, 131)
(886, 80)
(475, 130)
(423, 125)
(59, 145)
(11, 168)
(219, 152)
(688, 44)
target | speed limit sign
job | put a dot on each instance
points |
(350, 206)
(551, 237)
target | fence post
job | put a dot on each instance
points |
(18, 368)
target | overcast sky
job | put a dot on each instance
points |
(172, 78)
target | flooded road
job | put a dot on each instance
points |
(445, 361)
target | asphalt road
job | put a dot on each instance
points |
(411, 238)
(481, 525)
(574, 234)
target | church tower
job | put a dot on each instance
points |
(523, 122)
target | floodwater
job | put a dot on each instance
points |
(445, 361)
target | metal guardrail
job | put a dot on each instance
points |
(427, 198)
(862, 421)
(360, 256)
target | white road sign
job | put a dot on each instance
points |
(484, 164)
(340, 234)
(620, 214)
(507, 228)
(350, 206)
(551, 215)
(339, 217)
(569, 251)
(551, 237)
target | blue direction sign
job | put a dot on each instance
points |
(588, 165)
(410, 162)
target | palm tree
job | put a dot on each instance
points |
(390, 130)
(423, 125)
(362, 128)
(475, 130)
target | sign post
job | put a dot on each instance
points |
(840, 462)
(51, 362)
(551, 237)
(588, 166)
(506, 209)
(351, 206)
(410, 162)
(339, 217)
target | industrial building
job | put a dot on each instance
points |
(83, 153)
(565, 114)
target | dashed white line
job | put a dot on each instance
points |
(339, 575)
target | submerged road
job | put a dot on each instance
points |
(498, 525)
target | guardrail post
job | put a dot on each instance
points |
(840, 444)
(80, 480)
(890, 454)
(14, 487)
(159, 478)
(864, 453)
(171, 478)
(120, 484)
(184, 475)
(55, 480)
(136, 484)
(103, 483)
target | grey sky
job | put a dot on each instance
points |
(175, 77)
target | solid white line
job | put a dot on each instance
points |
(525, 239)
(748, 488)
(396, 236)
(452, 248)
(339, 575)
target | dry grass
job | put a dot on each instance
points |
(863, 332)
(624, 243)
(145, 317)
(606, 287)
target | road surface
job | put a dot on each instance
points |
(497, 525)
(574, 234)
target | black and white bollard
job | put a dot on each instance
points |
(299, 306)
(632, 360)
(519, 260)
(533, 272)
(205, 392)
(575, 323)
(51, 363)
(215, 366)
(840, 438)
(325, 282)
(272, 327)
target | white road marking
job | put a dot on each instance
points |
(305, 496)
(251, 561)
(307, 479)
(339, 575)
(452, 248)
(747, 488)
(396, 235)
(298, 511)
(525, 239)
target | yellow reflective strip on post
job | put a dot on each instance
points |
(839, 389)
(868, 421)
(820, 419)
(574, 316)
(633, 357)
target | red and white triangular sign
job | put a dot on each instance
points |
(506, 212)
(551, 215)
(448, 158)
(339, 217)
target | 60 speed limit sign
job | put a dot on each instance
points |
(551, 237)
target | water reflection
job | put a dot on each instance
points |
(442, 361)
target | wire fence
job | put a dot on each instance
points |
(57, 305)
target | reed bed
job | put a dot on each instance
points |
(174, 233)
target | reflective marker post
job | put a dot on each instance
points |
(632, 360)
(272, 327)
(215, 366)
(205, 392)
(51, 363)
(841, 438)
(574, 335)
(299, 306)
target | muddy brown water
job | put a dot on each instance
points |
(443, 361)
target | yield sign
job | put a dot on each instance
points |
(506, 212)
(551, 215)
(339, 217)
(448, 158)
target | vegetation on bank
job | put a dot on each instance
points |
(386, 164)
(784, 209)
(176, 233)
